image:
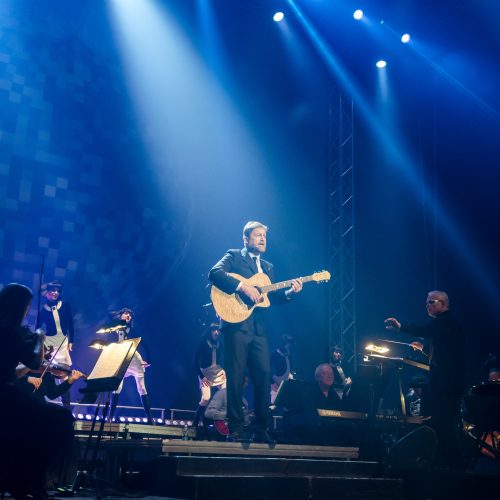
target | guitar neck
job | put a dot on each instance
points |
(283, 284)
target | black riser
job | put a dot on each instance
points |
(276, 488)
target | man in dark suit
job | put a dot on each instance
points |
(446, 358)
(246, 342)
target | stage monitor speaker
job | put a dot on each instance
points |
(415, 451)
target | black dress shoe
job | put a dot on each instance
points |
(263, 437)
(238, 437)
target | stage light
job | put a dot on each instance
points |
(358, 14)
(168, 422)
(130, 419)
(88, 417)
(98, 344)
(381, 64)
(174, 422)
(190, 423)
(405, 38)
(159, 421)
(122, 419)
(138, 420)
(279, 16)
(145, 420)
(377, 349)
(80, 416)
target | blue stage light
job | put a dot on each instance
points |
(405, 38)
(358, 14)
(278, 16)
(381, 64)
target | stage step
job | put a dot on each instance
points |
(245, 466)
(259, 478)
(217, 448)
(278, 488)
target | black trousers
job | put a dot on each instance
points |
(247, 350)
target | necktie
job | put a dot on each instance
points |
(257, 263)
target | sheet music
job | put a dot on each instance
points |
(110, 360)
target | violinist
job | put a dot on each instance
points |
(56, 319)
(28, 427)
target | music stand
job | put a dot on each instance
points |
(105, 377)
(290, 394)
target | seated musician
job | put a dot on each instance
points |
(32, 433)
(343, 382)
(216, 411)
(323, 394)
(303, 423)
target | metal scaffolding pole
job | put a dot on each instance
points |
(342, 310)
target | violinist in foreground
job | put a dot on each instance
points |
(32, 433)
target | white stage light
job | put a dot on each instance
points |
(358, 15)
(381, 64)
(278, 16)
(405, 38)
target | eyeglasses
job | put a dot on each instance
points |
(433, 301)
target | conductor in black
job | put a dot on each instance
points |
(246, 342)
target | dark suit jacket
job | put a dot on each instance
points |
(447, 371)
(239, 262)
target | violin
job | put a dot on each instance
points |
(57, 369)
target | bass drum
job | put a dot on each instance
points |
(480, 411)
(481, 406)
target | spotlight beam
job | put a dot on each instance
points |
(401, 158)
(483, 105)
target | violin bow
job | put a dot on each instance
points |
(42, 265)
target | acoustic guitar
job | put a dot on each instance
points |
(235, 308)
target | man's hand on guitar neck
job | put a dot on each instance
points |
(251, 292)
(295, 288)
